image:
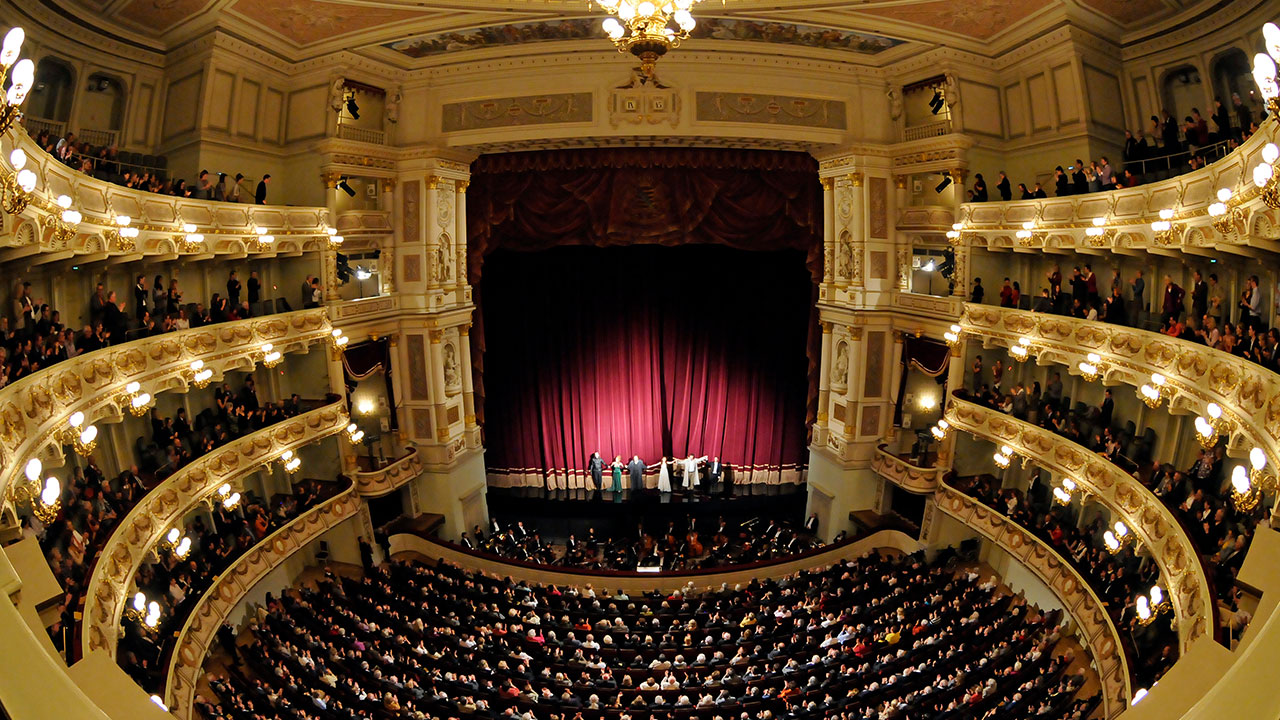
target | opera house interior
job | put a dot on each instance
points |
(653, 359)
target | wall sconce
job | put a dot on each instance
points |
(1156, 392)
(955, 236)
(1264, 68)
(1091, 367)
(134, 400)
(1116, 538)
(1244, 494)
(270, 356)
(66, 222)
(335, 240)
(1099, 234)
(146, 614)
(290, 462)
(1163, 228)
(21, 79)
(177, 543)
(122, 235)
(928, 402)
(1208, 428)
(1027, 234)
(1022, 350)
(952, 336)
(338, 339)
(1062, 495)
(1003, 457)
(1265, 481)
(354, 434)
(261, 240)
(1147, 607)
(83, 438)
(191, 243)
(16, 187)
(198, 374)
(225, 496)
(364, 406)
(1264, 176)
(45, 498)
(940, 430)
(1226, 214)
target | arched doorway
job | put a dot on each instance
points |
(50, 98)
(1181, 90)
(102, 110)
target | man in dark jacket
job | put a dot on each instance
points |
(260, 197)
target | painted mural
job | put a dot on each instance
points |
(584, 28)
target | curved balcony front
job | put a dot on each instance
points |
(231, 586)
(35, 409)
(1061, 222)
(165, 505)
(1102, 639)
(901, 472)
(387, 479)
(228, 228)
(1248, 393)
(1127, 499)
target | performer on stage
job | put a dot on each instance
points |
(636, 468)
(714, 471)
(664, 475)
(691, 471)
(596, 467)
(615, 468)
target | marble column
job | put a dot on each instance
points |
(824, 383)
(434, 272)
(851, 383)
(468, 384)
(828, 229)
(460, 244)
(438, 396)
(387, 263)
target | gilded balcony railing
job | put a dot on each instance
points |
(916, 478)
(374, 483)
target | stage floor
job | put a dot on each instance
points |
(557, 513)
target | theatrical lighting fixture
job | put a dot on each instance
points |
(1265, 481)
(135, 400)
(82, 437)
(946, 180)
(44, 497)
(335, 240)
(290, 462)
(647, 28)
(955, 235)
(1027, 234)
(352, 106)
(1264, 176)
(21, 75)
(1138, 695)
(1091, 367)
(122, 233)
(1208, 428)
(261, 239)
(270, 356)
(1062, 495)
(177, 543)
(365, 406)
(1244, 494)
(1163, 228)
(16, 186)
(198, 374)
(338, 340)
(354, 434)
(1155, 392)
(1116, 538)
(191, 242)
(362, 273)
(1147, 607)
(146, 614)
(952, 336)
(1022, 350)
(1098, 233)
(345, 187)
(159, 701)
(936, 103)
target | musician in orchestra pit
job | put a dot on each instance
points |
(466, 542)
(520, 532)
(811, 524)
(494, 527)
(478, 534)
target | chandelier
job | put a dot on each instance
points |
(647, 29)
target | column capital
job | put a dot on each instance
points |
(462, 186)
(900, 181)
(855, 179)
(464, 329)
(437, 336)
(827, 327)
(827, 183)
(331, 179)
(388, 185)
(433, 182)
(958, 175)
(855, 333)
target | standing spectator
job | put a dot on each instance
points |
(979, 188)
(316, 294)
(1244, 116)
(1062, 184)
(204, 186)
(306, 291)
(113, 319)
(977, 374)
(220, 190)
(255, 288)
(1199, 297)
(237, 188)
(1006, 295)
(1139, 289)
(1132, 150)
(140, 294)
(1106, 409)
(1172, 306)
(1002, 187)
(1215, 298)
(233, 290)
(1024, 193)
(1039, 192)
(1169, 133)
(1078, 178)
(1106, 175)
(976, 295)
(260, 197)
(1202, 127)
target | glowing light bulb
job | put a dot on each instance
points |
(12, 46)
(1270, 153)
(33, 469)
(1257, 458)
(1214, 410)
(1240, 480)
(1224, 194)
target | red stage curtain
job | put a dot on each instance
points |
(749, 200)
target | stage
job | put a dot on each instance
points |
(557, 513)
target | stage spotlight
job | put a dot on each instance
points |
(354, 109)
(946, 180)
(936, 103)
(344, 187)
(343, 268)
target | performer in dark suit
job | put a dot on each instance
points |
(636, 469)
(714, 473)
(596, 467)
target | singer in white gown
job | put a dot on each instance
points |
(664, 475)
(690, 465)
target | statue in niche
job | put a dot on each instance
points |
(337, 94)
(444, 264)
(845, 269)
(895, 103)
(951, 90)
(840, 368)
(392, 107)
(451, 376)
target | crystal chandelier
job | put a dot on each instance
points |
(648, 29)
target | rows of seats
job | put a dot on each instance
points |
(874, 637)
